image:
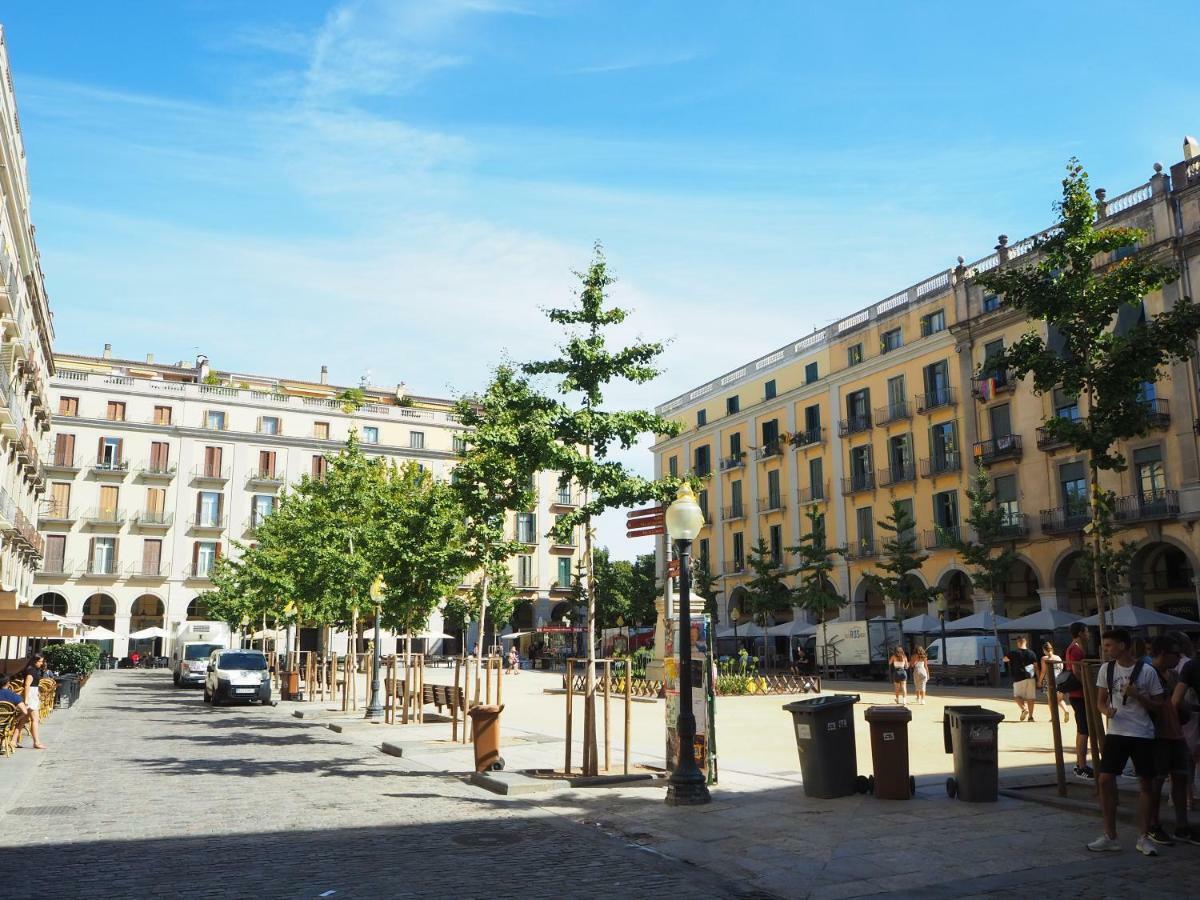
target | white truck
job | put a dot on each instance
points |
(858, 648)
(971, 650)
(191, 645)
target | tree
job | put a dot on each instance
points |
(1077, 304)
(642, 608)
(580, 437)
(814, 591)
(900, 563)
(766, 592)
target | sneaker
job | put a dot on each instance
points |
(1145, 846)
(1084, 772)
(1024, 715)
(1159, 835)
(1105, 844)
(1187, 835)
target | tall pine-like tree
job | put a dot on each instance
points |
(766, 592)
(814, 591)
(900, 564)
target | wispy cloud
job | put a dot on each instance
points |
(649, 61)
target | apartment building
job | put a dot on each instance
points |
(896, 402)
(26, 365)
(156, 469)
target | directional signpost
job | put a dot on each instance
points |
(645, 522)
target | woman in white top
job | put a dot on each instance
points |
(1051, 666)
(920, 669)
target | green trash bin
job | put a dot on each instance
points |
(824, 729)
(971, 733)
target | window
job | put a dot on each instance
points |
(937, 384)
(266, 464)
(64, 450)
(945, 509)
(770, 433)
(943, 445)
(991, 302)
(774, 497)
(1073, 484)
(812, 422)
(460, 444)
(1001, 424)
(151, 556)
(156, 506)
(1148, 472)
(68, 406)
(732, 405)
(900, 457)
(1065, 406)
(861, 468)
(162, 415)
(769, 390)
(204, 556)
(109, 454)
(527, 528)
(416, 440)
(1122, 252)
(116, 411)
(703, 555)
(933, 323)
(60, 500)
(108, 502)
(735, 499)
(702, 501)
(992, 351)
(213, 457)
(564, 571)
(890, 340)
(735, 444)
(320, 465)
(775, 542)
(160, 457)
(673, 466)
(810, 373)
(739, 552)
(208, 508)
(321, 431)
(564, 491)
(703, 460)
(865, 523)
(1005, 489)
(854, 354)
(268, 425)
(214, 420)
(56, 554)
(370, 434)
(103, 556)
(816, 478)
(525, 571)
(262, 506)
(858, 409)
(701, 418)
(906, 509)
(897, 408)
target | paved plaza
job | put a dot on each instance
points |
(147, 791)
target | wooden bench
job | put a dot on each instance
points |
(968, 674)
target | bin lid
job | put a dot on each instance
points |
(485, 710)
(974, 714)
(820, 704)
(891, 713)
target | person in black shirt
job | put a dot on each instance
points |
(31, 678)
(1022, 664)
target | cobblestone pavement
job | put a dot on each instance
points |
(148, 792)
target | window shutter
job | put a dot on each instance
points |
(91, 552)
(217, 550)
(100, 451)
(258, 427)
(120, 449)
(195, 555)
(116, 554)
(220, 506)
(199, 500)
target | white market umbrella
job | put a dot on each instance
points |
(425, 637)
(749, 630)
(1042, 620)
(1136, 617)
(981, 621)
(794, 628)
(922, 623)
(512, 636)
(99, 633)
(145, 633)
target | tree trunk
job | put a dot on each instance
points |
(591, 766)
(1096, 576)
(483, 602)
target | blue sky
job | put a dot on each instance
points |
(399, 187)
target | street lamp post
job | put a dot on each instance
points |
(375, 707)
(687, 785)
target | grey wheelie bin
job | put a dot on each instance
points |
(971, 733)
(825, 741)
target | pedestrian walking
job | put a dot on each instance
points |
(898, 673)
(514, 660)
(1129, 692)
(1051, 667)
(1170, 749)
(920, 670)
(1022, 664)
(31, 677)
(1071, 684)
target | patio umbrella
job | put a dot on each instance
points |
(981, 621)
(145, 633)
(1042, 620)
(794, 628)
(749, 630)
(1136, 617)
(922, 623)
(512, 635)
(99, 633)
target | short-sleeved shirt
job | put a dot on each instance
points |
(11, 696)
(1075, 654)
(36, 673)
(1131, 719)
(1018, 661)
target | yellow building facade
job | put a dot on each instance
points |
(889, 403)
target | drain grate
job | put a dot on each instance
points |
(41, 810)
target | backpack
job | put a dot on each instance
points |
(1133, 679)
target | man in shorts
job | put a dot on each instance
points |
(1075, 655)
(1170, 748)
(1022, 664)
(1129, 692)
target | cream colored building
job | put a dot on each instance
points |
(893, 402)
(155, 470)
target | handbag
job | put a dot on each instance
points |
(1066, 681)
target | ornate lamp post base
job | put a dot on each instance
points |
(690, 792)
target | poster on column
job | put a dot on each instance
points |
(703, 705)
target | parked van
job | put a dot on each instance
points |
(193, 644)
(969, 650)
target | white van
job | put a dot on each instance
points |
(192, 645)
(969, 650)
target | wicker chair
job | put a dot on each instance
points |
(8, 728)
(47, 691)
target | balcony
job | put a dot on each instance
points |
(562, 585)
(810, 437)
(770, 504)
(154, 471)
(899, 411)
(56, 514)
(946, 463)
(815, 493)
(860, 481)
(997, 449)
(154, 520)
(210, 474)
(1150, 506)
(939, 399)
(214, 424)
(734, 566)
(100, 569)
(769, 449)
(147, 571)
(988, 387)
(56, 568)
(264, 479)
(1158, 413)
(198, 572)
(62, 464)
(854, 425)
(105, 518)
(569, 544)
(897, 475)
(528, 538)
(733, 511)
(735, 461)
(863, 548)
(1065, 519)
(110, 468)
(564, 500)
(941, 538)
(1014, 525)
(1047, 441)
(208, 523)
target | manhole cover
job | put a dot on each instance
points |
(41, 810)
(491, 839)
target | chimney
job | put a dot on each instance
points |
(201, 366)
(108, 351)
(150, 358)
(324, 374)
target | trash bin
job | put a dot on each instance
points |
(971, 733)
(68, 691)
(485, 734)
(825, 741)
(889, 752)
(290, 686)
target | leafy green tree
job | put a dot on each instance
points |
(1073, 298)
(581, 436)
(896, 578)
(982, 543)
(614, 589)
(766, 592)
(814, 591)
(643, 599)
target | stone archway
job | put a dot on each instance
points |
(868, 602)
(1161, 578)
(1073, 585)
(735, 609)
(197, 610)
(523, 616)
(1020, 591)
(100, 611)
(147, 611)
(55, 604)
(955, 586)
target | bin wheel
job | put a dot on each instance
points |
(870, 784)
(861, 784)
(498, 765)
(951, 788)
(912, 786)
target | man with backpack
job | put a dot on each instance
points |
(1172, 750)
(1129, 692)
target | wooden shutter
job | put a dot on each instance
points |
(151, 556)
(195, 557)
(91, 553)
(159, 454)
(156, 500)
(100, 451)
(108, 497)
(116, 556)
(120, 450)
(217, 550)
(56, 548)
(60, 498)
(199, 505)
